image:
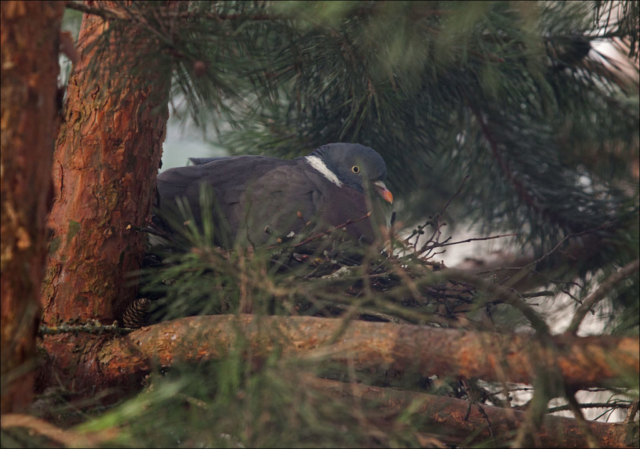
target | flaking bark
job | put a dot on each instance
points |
(30, 36)
(484, 424)
(105, 167)
(121, 361)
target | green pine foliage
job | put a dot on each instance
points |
(514, 98)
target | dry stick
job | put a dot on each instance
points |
(567, 407)
(94, 328)
(443, 414)
(65, 437)
(110, 14)
(633, 410)
(438, 245)
(445, 206)
(521, 190)
(551, 251)
(555, 248)
(105, 12)
(502, 294)
(600, 294)
(582, 422)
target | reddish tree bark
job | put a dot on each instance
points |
(105, 167)
(453, 421)
(122, 361)
(30, 36)
(467, 424)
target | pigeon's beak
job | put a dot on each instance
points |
(382, 190)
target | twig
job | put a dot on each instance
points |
(600, 294)
(537, 294)
(454, 195)
(504, 165)
(441, 212)
(438, 245)
(111, 14)
(633, 410)
(65, 437)
(548, 253)
(443, 414)
(94, 328)
(577, 234)
(567, 407)
(582, 422)
(105, 12)
(502, 295)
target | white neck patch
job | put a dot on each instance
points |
(317, 163)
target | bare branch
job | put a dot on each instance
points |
(104, 12)
(590, 361)
(600, 293)
(610, 405)
(439, 245)
(65, 437)
(446, 415)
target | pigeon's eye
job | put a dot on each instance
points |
(355, 169)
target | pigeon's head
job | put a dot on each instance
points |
(352, 164)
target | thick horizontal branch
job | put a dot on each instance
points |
(444, 415)
(582, 362)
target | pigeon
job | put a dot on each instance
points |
(258, 199)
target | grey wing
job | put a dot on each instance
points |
(228, 179)
(206, 160)
(275, 199)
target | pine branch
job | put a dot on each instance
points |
(605, 288)
(66, 438)
(109, 13)
(591, 361)
(531, 201)
(105, 12)
(446, 416)
(94, 328)
(609, 405)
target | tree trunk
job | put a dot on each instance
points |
(30, 36)
(105, 167)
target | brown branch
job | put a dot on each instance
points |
(65, 437)
(583, 424)
(476, 239)
(94, 327)
(600, 293)
(631, 413)
(445, 415)
(498, 293)
(531, 201)
(108, 13)
(589, 361)
(551, 251)
(610, 405)
(104, 11)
